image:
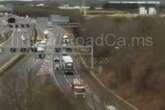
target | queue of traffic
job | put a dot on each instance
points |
(65, 62)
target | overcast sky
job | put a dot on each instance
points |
(163, 1)
(91, 0)
(87, 0)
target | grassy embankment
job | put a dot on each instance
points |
(135, 70)
(44, 11)
(31, 93)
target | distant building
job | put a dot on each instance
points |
(142, 11)
(152, 11)
(145, 7)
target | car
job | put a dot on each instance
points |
(27, 25)
(24, 50)
(57, 50)
(41, 55)
(40, 50)
(56, 63)
(57, 58)
(79, 88)
(111, 107)
(11, 20)
(16, 26)
(66, 39)
(10, 25)
(19, 30)
(43, 42)
(34, 49)
(13, 49)
(22, 25)
(64, 45)
(69, 50)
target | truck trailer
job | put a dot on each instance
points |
(67, 64)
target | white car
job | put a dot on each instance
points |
(66, 40)
(19, 30)
(23, 37)
(43, 41)
(111, 107)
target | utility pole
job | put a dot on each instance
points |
(92, 58)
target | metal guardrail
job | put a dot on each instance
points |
(71, 25)
(10, 63)
(8, 34)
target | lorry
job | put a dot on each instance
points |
(78, 87)
(67, 64)
(41, 46)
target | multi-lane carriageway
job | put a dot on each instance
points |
(97, 96)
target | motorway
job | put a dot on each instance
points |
(14, 40)
(92, 101)
(59, 78)
(97, 97)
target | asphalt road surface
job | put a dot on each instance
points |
(15, 40)
(97, 97)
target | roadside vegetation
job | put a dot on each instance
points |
(28, 92)
(134, 71)
(4, 36)
(34, 11)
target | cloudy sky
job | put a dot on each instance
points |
(16, 0)
(163, 1)
(91, 0)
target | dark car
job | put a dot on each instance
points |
(22, 25)
(41, 55)
(11, 20)
(16, 26)
(57, 50)
(24, 50)
(27, 25)
(34, 49)
(10, 25)
(13, 49)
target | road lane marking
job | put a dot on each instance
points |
(70, 85)
(9, 63)
(12, 34)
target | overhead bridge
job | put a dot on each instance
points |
(136, 2)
